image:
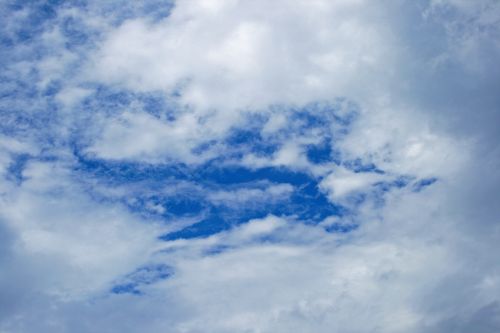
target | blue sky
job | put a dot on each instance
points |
(249, 166)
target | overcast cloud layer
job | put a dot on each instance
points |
(250, 166)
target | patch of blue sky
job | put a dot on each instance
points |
(341, 111)
(357, 199)
(107, 100)
(118, 11)
(380, 189)
(186, 201)
(20, 122)
(217, 249)
(399, 182)
(313, 120)
(305, 202)
(166, 207)
(304, 119)
(207, 145)
(75, 32)
(16, 167)
(39, 14)
(250, 140)
(141, 277)
(27, 21)
(423, 183)
(13, 88)
(376, 195)
(156, 10)
(26, 106)
(180, 205)
(223, 218)
(341, 227)
(36, 17)
(13, 122)
(357, 165)
(311, 205)
(220, 218)
(52, 88)
(321, 153)
(234, 174)
(123, 172)
(208, 226)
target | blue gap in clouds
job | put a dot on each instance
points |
(15, 169)
(123, 10)
(149, 179)
(122, 172)
(107, 100)
(209, 226)
(307, 203)
(311, 205)
(341, 228)
(251, 140)
(217, 249)
(399, 182)
(183, 205)
(304, 119)
(42, 12)
(174, 206)
(321, 153)
(111, 101)
(357, 165)
(143, 276)
(237, 175)
(218, 220)
(39, 14)
(423, 183)
(75, 32)
(322, 114)
(381, 188)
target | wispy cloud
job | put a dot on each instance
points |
(249, 166)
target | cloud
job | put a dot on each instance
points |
(252, 196)
(284, 61)
(242, 58)
(68, 246)
(328, 165)
(342, 183)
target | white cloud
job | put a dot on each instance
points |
(343, 182)
(251, 196)
(244, 57)
(138, 135)
(79, 244)
(404, 141)
(423, 262)
(247, 55)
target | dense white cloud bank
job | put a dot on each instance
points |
(403, 95)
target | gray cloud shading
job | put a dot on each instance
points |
(334, 162)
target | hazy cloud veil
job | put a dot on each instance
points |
(250, 166)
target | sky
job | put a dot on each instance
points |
(250, 166)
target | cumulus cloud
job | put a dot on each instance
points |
(239, 55)
(243, 57)
(250, 166)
